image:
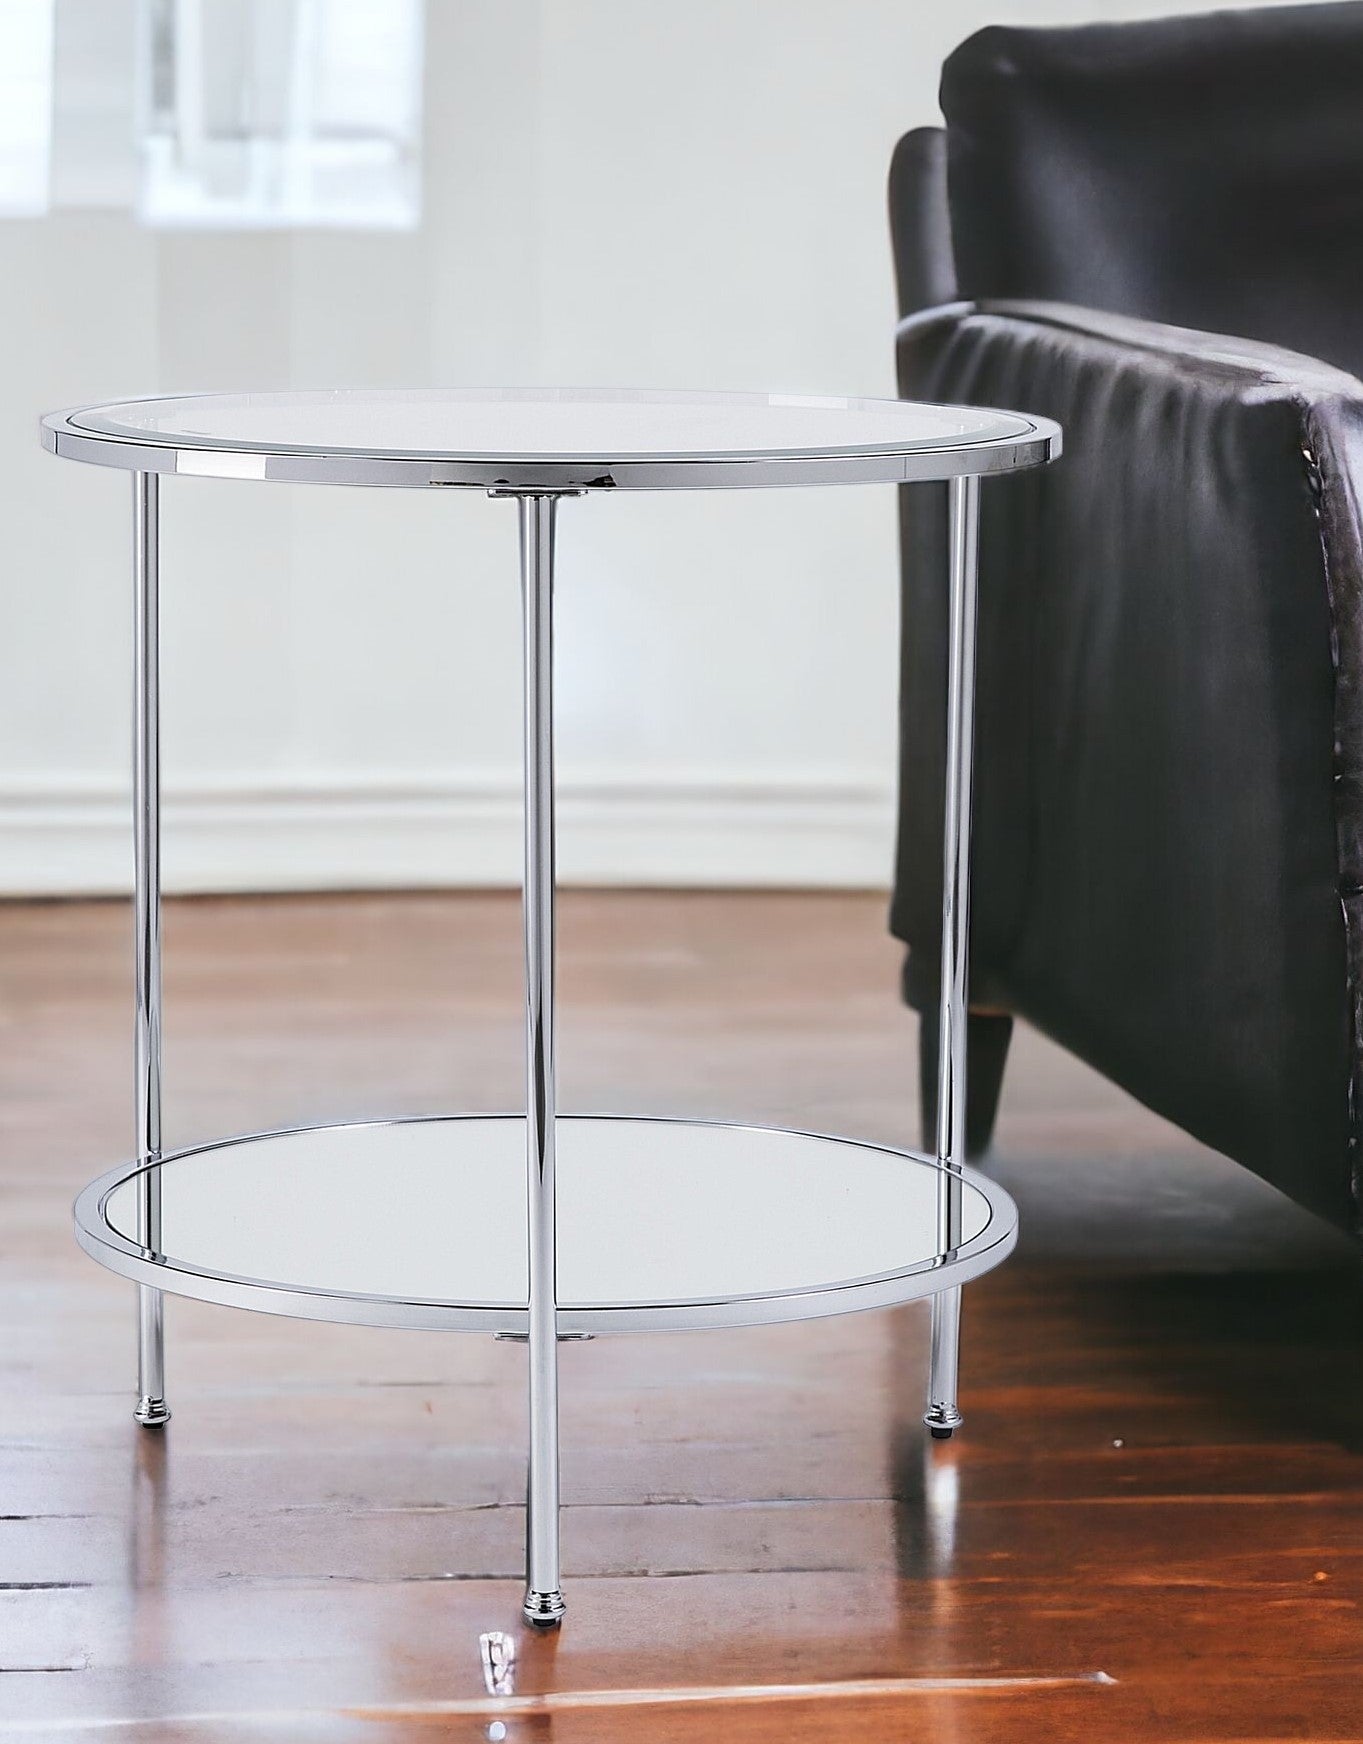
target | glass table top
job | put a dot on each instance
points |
(604, 438)
(650, 1213)
(548, 424)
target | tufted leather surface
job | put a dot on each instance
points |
(1206, 171)
(1169, 836)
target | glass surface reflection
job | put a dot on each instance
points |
(649, 1211)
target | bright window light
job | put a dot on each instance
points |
(264, 113)
(26, 53)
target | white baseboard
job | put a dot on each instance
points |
(75, 839)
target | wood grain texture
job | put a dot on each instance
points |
(1151, 1527)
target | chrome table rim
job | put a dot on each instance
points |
(922, 1278)
(1035, 442)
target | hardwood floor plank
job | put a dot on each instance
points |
(1161, 1477)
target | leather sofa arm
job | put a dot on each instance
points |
(1169, 825)
(1182, 348)
(920, 221)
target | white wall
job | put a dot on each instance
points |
(616, 192)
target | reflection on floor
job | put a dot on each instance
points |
(1149, 1529)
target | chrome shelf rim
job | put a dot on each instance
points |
(922, 1278)
(1032, 441)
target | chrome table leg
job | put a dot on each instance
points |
(151, 1409)
(543, 1605)
(943, 1415)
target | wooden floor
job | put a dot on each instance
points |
(1151, 1527)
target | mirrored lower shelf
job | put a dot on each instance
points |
(662, 1224)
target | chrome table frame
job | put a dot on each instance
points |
(538, 484)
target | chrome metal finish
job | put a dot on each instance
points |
(988, 441)
(543, 1600)
(563, 1337)
(942, 1231)
(151, 1409)
(151, 1412)
(942, 1415)
(104, 1240)
(543, 1610)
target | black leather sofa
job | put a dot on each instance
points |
(1153, 233)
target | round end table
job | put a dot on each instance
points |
(541, 1226)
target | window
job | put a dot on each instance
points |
(26, 59)
(220, 114)
(259, 113)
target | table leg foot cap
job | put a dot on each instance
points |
(151, 1413)
(941, 1420)
(543, 1610)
